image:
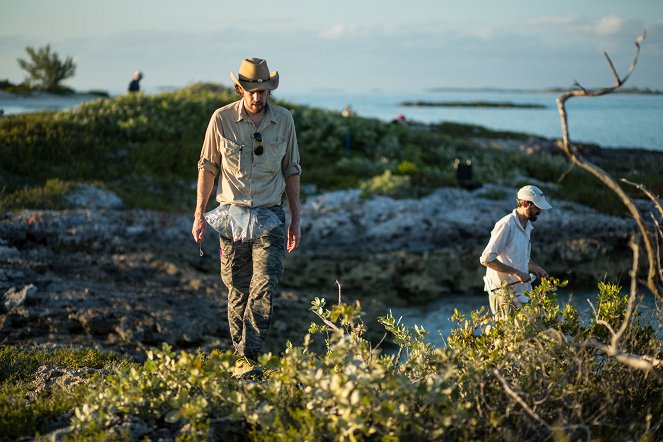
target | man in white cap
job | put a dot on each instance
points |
(507, 255)
(252, 146)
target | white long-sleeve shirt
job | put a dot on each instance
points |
(510, 244)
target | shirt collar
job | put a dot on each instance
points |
(528, 224)
(243, 116)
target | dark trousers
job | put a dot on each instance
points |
(251, 271)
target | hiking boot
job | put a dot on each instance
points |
(246, 367)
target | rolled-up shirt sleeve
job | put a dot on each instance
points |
(290, 163)
(498, 240)
(210, 154)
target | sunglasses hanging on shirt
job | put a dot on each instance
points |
(259, 149)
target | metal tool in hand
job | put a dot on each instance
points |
(532, 278)
(200, 245)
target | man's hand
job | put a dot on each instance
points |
(199, 227)
(538, 270)
(294, 236)
(522, 276)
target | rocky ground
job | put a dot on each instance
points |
(132, 279)
(123, 280)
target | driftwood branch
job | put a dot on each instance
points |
(614, 342)
(645, 363)
(659, 231)
(654, 281)
(520, 401)
(339, 291)
(648, 193)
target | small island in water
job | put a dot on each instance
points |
(500, 104)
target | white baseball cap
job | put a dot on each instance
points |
(535, 195)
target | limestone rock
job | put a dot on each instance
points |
(130, 280)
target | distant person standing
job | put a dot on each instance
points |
(507, 255)
(134, 85)
(348, 111)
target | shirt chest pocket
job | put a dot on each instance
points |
(232, 155)
(272, 157)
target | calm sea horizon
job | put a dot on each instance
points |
(614, 120)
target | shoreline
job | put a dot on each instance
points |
(477, 104)
(19, 104)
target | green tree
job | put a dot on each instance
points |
(45, 69)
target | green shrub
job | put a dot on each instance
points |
(20, 417)
(539, 374)
(388, 184)
(50, 196)
(145, 148)
(534, 376)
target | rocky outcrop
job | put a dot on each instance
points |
(421, 249)
(132, 279)
(123, 280)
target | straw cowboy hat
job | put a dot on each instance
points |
(254, 75)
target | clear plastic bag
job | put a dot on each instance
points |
(242, 223)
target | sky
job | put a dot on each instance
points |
(341, 45)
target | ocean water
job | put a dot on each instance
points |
(12, 104)
(434, 316)
(615, 120)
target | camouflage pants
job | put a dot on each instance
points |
(251, 271)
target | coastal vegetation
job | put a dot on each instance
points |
(542, 374)
(145, 147)
(45, 70)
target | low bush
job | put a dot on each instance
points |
(27, 412)
(145, 148)
(543, 373)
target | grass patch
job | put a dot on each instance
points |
(49, 196)
(22, 414)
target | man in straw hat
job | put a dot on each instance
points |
(507, 255)
(252, 146)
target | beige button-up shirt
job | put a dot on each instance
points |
(248, 179)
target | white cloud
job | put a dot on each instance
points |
(608, 25)
(555, 21)
(341, 31)
(603, 26)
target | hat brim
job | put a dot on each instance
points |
(251, 86)
(542, 204)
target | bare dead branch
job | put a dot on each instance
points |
(520, 401)
(659, 241)
(646, 363)
(330, 324)
(639, 362)
(606, 325)
(614, 342)
(612, 68)
(648, 193)
(601, 175)
(339, 291)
